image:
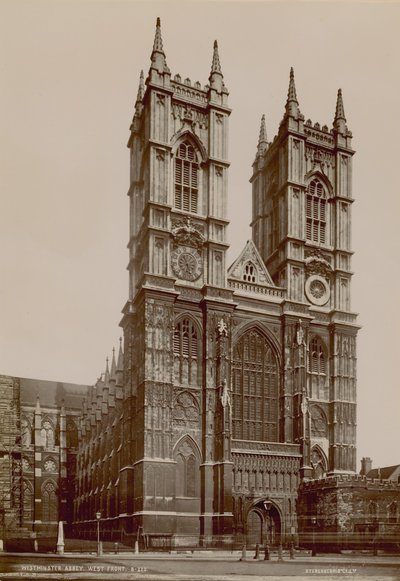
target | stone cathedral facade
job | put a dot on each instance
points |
(240, 382)
(229, 411)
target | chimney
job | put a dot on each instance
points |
(366, 466)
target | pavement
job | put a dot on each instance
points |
(197, 566)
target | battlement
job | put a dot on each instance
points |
(349, 480)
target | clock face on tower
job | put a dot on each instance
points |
(186, 263)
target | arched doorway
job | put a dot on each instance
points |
(254, 528)
(263, 524)
(272, 521)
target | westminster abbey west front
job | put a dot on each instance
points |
(239, 383)
(229, 412)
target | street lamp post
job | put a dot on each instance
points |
(267, 506)
(313, 522)
(99, 551)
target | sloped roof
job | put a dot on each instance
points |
(51, 393)
(385, 473)
(250, 254)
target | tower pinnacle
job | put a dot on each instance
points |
(158, 44)
(339, 123)
(292, 104)
(216, 65)
(262, 138)
(158, 59)
(140, 92)
(216, 77)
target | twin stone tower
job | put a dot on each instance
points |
(239, 383)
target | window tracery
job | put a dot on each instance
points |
(255, 389)
(49, 502)
(186, 178)
(316, 213)
(317, 367)
(249, 272)
(187, 470)
(186, 352)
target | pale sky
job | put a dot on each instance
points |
(69, 76)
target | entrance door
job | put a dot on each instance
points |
(254, 529)
(273, 526)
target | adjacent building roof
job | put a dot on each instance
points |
(385, 473)
(52, 393)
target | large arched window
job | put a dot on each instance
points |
(27, 498)
(49, 502)
(187, 470)
(186, 178)
(185, 352)
(47, 433)
(317, 367)
(255, 389)
(316, 211)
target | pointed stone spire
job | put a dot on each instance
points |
(158, 45)
(120, 373)
(262, 138)
(120, 363)
(216, 77)
(292, 104)
(216, 65)
(37, 408)
(140, 93)
(339, 122)
(107, 373)
(113, 371)
(158, 59)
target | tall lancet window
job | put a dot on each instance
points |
(317, 366)
(255, 389)
(185, 352)
(186, 178)
(316, 213)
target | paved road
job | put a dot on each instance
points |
(176, 568)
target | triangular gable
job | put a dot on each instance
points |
(247, 258)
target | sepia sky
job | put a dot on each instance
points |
(69, 73)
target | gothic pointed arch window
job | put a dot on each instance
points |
(318, 463)
(27, 500)
(47, 433)
(317, 367)
(255, 389)
(187, 470)
(249, 272)
(186, 178)
(316, 213)
(186, 352)
(49, 502)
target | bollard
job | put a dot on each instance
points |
(267, 556)
(243, 557)
(136, 547)
(280, 554)
(116, 548)
(35, 545)
(292, 550)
